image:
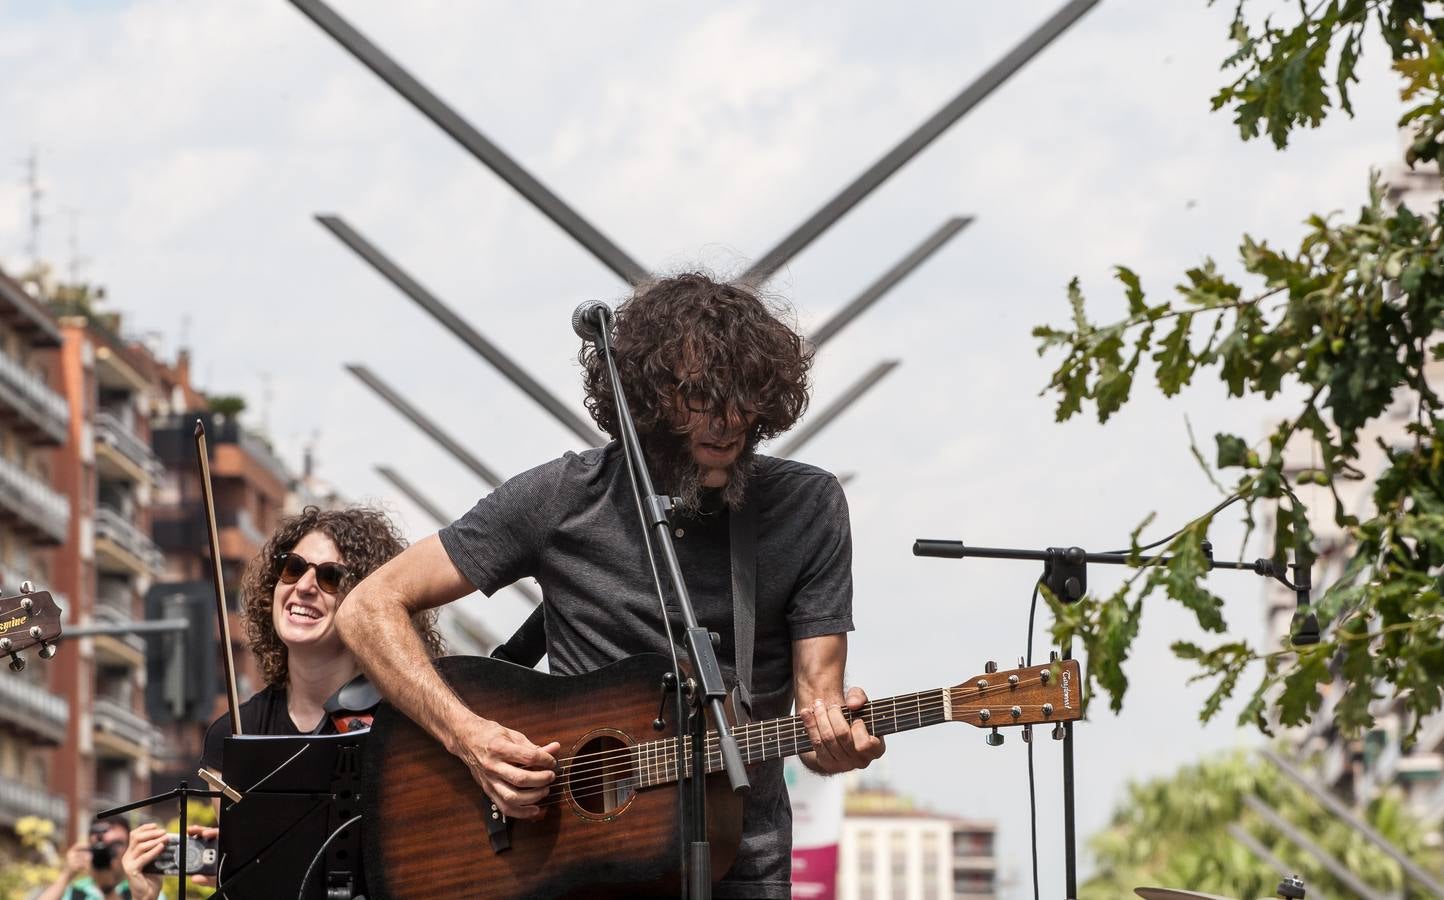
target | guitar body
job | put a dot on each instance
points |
(426, 817)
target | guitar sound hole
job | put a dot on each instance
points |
(602, 778)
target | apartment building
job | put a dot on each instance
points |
(249, 483)
(107, 563)
(893, 849)
(34, 520)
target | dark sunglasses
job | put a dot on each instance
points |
(289, 567)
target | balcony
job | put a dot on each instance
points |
(240, 538)
(120, 546)
(41, 414)
(32, 506)
(120, 454)
(116, 614)
(29, 708)
(119, 731)
(27, 316)
(18, 800)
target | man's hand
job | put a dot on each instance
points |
(840, 746)
(77, 860)
(146, 843)
(514, 772)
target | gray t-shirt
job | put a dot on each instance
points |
(572, 525)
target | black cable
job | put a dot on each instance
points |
(1232, 498)
(301, 894)
(1032, 785)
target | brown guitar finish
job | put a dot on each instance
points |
(425, 819)
(610, 825)
(26, 620)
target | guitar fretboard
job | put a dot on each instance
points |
(656, 761)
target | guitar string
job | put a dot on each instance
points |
(634, 759)
(556, 796)
(619, 761)
(757, 731)
(666, 764)
(991, 690)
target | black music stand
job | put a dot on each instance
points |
(296, 831)
(183, 792)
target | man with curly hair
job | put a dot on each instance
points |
(710, 370)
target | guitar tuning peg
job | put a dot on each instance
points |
(1020, 662)
(47, 650)
(17, 662)
(1058, 731)
(1027, 734)
(1052, 656)
(990, 667)
(27, 587)
(994, 739)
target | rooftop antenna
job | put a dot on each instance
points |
(266, 397)
(76, 260)
(32, 187)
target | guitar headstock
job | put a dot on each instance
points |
(1035, 695)
(29, 618)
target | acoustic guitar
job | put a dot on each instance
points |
(609, 826)
(27, 619)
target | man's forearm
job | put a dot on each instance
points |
(377, 627)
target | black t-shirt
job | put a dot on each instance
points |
(572, 524)
(264, 713)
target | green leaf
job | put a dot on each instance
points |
(1174, 357)
(1232, 451)
(1133, 290)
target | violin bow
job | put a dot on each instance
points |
(203, 456)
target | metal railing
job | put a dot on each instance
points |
(37, 397)
(18, 800)
(112, 717)
(111, 524)
(110, 429)
(41, 710)
(30, 497)
(107, 614)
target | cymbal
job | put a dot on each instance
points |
(1153, 893)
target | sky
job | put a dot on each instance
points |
(184, 149)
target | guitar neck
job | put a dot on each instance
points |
(777, 738)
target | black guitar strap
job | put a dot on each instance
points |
(742, 525)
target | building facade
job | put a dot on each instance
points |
(893, 850)
(107, 563)
(34, 521)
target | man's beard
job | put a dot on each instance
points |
(670, 456)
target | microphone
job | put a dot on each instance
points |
(590, 318)
(1305, 625)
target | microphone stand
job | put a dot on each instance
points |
(1065, 573)
(712, 690)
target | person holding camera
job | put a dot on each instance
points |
(146, 845)
(92, 868)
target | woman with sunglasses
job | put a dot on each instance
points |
(289, 597)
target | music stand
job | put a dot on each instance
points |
(296, 831)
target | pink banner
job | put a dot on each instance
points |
(814, 873)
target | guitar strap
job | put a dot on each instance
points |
(742, 527)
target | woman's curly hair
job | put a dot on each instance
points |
(740, 355)
(365, 538)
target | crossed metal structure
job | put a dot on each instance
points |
(611, 255)
(617, 260)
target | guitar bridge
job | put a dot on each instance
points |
(498, 829)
